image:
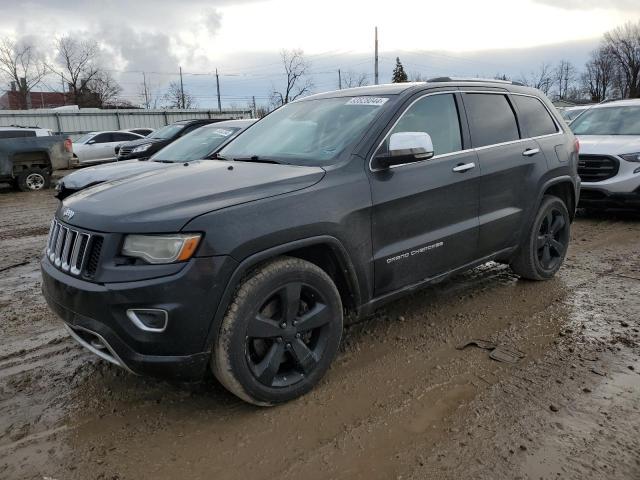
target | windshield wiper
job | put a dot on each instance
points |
(165, 161)
(257, 159)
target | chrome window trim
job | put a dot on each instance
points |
(559, 131)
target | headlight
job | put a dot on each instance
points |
(161, 248)
(141, 148)
(631, 157)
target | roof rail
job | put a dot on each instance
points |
(479, 80)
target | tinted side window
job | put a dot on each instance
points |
(103, 138)
(436, 115)
(534, 117)
(124, 137)
(17, 133)
(491, 119)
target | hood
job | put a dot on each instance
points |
(609, 144)
(145, 141)
(111, 171)
(164, 200)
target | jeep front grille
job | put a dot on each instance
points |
(70, 249)
(596, 168)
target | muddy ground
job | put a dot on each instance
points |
(400, 401)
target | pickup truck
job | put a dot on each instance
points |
(28, 156)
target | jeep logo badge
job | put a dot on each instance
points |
(68, 213)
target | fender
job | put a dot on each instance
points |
(554, 181)
(248, 263)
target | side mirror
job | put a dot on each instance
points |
(91, 142)
(405, 147)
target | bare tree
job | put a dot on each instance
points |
(78, 60)
(564, 76)
(351, 79)
(298, 83)
(175, 97)
(21, 65)
(540, 79)
(623, 43)
(597, 78)
(105, 88)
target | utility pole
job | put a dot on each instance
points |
(339, 80)
(218, 88)
(375, 70)
(181, 89)
(64, 91)
(255, 112)
(146, 92)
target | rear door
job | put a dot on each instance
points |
(507, 159)
(425, 214)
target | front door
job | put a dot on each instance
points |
(425, 214)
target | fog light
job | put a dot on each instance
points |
(149, 319)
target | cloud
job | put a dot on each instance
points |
(212, 21)
(621, 5)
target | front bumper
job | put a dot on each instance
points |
(96, 316)
(603, 198)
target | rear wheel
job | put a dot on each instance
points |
(33, 179)
(543, 251)
(280, 333)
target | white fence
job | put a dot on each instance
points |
(92, 120)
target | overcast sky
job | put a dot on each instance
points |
(242, 38)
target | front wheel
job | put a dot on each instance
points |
(543, 251)
(280, 333)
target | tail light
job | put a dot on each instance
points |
(68, 146)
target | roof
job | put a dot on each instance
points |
(384, 89)
(631, 102)
(398, 88)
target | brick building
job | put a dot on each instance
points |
(12, 100)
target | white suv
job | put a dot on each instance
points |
(609, 162)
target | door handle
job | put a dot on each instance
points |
(530, 152)
(464, 167)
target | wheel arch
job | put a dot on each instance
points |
(325, 251)
(564, 189)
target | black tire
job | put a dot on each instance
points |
(33, 179)
(543, 251)
(268, 354)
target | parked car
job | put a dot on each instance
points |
(159, 139)
(201, 143)
(29, 155)
(609, 163)
(140, 131)
(100, 147)
(571, 113)
(338, 202)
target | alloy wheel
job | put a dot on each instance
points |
(552, 239)
(286, 339)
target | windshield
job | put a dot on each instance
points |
(608, 121)
(311, 132)
(195, 145)
(167, 132)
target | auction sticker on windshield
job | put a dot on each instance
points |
(375, 101)
(223, 132)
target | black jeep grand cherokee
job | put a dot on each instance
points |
(330, 205)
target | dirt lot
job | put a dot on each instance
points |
(400, 401)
